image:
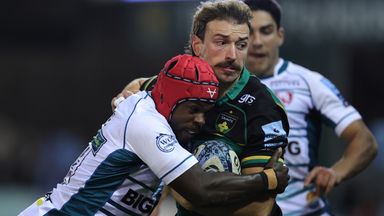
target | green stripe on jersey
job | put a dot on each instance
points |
(236, 88)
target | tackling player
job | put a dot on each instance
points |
(247, 115)
(138, 147)
(310, 100)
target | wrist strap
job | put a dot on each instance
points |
(270, 175)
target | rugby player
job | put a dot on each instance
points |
(310, 100)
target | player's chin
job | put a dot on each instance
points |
(228, 78)
(185, 136)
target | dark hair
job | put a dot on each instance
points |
(270, 6)
(230, 10)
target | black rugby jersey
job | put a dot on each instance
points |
(251, 118)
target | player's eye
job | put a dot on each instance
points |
(220, 42)
(267, 30)
(194, 109)
(242, 45)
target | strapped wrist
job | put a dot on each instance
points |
(270, 179)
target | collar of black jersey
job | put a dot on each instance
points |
(236, 88)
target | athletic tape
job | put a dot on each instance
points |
(272, 179)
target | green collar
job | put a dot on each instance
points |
(236, 87)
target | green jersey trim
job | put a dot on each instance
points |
(236, 87)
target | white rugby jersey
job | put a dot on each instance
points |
(120, 170)
(310, 100)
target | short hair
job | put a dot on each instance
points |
(270, 6)
(229, 10)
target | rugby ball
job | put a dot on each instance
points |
(217, 156)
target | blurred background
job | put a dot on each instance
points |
(61, 62)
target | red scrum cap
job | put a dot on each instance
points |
(184, 78)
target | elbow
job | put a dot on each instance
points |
(369, 147)
(374, 147)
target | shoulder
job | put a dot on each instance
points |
(255, 86)
(261, 91)
(303, 72)
(140, 114)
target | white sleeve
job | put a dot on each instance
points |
(331, 104)
(153, 140)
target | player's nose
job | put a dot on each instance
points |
(199, 119)
(231, 52)
(256, 39)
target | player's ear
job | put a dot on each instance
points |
(280, 34)
(197, 45)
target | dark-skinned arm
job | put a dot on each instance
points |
(211, 189)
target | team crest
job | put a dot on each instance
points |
(97, 142)
(225, 122)
(166, 142)
(285, 96)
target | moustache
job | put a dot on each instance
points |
(231, 65)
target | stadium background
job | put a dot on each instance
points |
(61, 62)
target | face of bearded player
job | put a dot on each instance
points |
(188, 118)
(224, 47)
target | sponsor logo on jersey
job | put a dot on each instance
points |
(333, 88)
(284, 96)
(247, 98)
(166, 142)
(284, 83)
(138, 201)
(274, 134)
(97, 142)
(76, 164)
(225, 122)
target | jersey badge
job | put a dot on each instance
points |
(165, 142)
(274, 134)
(225, 122)
(97, 142)
(285, 96)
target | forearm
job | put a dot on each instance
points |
(353, 162)
(231, 190)
(209, 189)
(260, 203)
(361, 150)
(212, 189)
(135, 85)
